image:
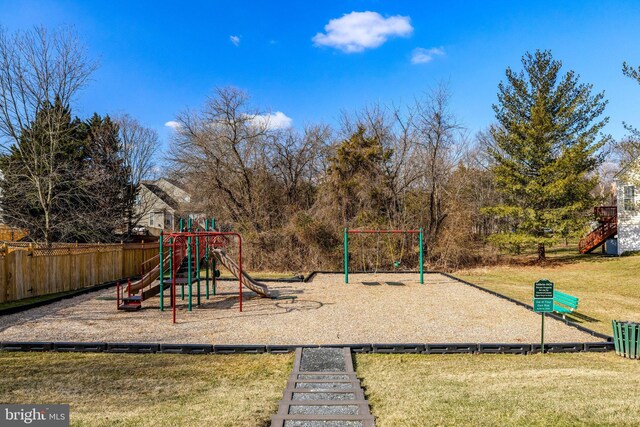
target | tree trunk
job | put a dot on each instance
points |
(541, 252)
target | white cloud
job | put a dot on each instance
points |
(235, 40)
(357, 31)
(278, 120)
(422, 56)
(172, 124)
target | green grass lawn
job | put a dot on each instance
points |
(150, 389)
(553, 389)
(586, 389)
(404, 390)
(608, 287)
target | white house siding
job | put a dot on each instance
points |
(628, 216)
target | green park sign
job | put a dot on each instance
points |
(542, 303)
(543, 289)
(543, 296)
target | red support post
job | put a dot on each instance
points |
(178, 249)
(129, 287)
(173, 280)
(118, 294)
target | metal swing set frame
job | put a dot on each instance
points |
(347, 232)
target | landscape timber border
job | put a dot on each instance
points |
(444, 348)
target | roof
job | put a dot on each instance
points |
(626, 167)
(162, 195)
(175, 183)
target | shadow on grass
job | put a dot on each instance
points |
(580, 318)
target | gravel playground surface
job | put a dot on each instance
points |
(373, 308)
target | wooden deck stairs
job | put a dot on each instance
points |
(607, 217)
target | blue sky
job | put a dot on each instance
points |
(158, 58)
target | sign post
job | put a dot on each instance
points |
(542, 303)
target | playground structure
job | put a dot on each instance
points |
(396, 262)
(180, 261)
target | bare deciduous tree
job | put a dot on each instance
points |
(139, 147)
(221, 149)
(441, 139)
(40, 73)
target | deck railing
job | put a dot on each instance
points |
(597, 236)
(606, 213)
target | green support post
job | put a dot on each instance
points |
(213, 224)
(346, 256)
(542, 334)
(189, 266)
(421, 259)
(206, 257)
(161, 255)
(198, 266)
(182, 284)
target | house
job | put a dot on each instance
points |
(160, 204)
(618, 228)
(627, 183)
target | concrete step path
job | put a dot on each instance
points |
(323, 391)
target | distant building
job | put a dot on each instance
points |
(627, 184)
(160, 204)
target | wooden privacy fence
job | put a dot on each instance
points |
(28, 270)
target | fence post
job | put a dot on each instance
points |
(5, 276)
(421, 238)
(122, 272)
(99, 280)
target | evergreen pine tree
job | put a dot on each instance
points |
(357, 178)
(545, 149)
(108, 179)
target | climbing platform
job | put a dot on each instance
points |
(323, 391)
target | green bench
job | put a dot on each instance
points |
(564, 303)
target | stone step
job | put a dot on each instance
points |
(296, 395)
(323, 391)
(322, 386)
(324, 409)
(322, 420)
(349, 407)
(324, 376)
